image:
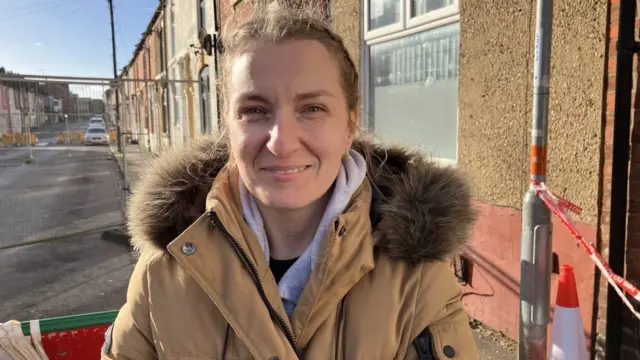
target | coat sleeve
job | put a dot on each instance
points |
(130, 336)
(444, 331)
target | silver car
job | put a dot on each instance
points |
(96, 136)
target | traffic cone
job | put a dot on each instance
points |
(567, 333)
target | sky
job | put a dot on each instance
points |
(70, 37)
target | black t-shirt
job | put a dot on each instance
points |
(280, 267)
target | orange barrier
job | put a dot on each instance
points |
(18, 139)
(74, 137)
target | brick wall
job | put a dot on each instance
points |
(241, 11)
(631, 326)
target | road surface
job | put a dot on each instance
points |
(67, 191)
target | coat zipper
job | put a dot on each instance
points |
(253, 269)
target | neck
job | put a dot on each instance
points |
(291, 231)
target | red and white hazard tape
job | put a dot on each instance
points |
(561, 207)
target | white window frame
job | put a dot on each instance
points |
(405, 26)
(177, 97)
(205, 109)
(202, 13)
(174, 28)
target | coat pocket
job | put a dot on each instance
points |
(446, 341)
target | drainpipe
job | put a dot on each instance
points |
(626, 49)
(166, 71)
(217, 53)
(150, 97)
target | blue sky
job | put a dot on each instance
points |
(69, 37)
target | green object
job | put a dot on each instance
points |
(72, 322)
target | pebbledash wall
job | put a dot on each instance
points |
(454, 78)
(495, 93)
(455, 81)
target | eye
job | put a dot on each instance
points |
(252, 111)
(314, 108)
(252, 114)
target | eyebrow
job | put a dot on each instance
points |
(304, 96)
(313, 95)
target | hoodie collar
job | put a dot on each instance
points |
(350, 176)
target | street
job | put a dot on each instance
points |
(60, 205)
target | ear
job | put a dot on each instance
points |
(354, 119)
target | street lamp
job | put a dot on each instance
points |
(66, 125)
(30, 158)
(68, 134)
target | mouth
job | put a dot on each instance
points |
(285, 170)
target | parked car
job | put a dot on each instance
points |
(96, 135)
(97, 121)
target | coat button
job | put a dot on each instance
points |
(188, 248)
(342, 231)
(449, 351)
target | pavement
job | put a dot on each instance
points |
(54, 213)
(492, 344)
(135, 158)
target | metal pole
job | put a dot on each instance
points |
(30, 158)
(115, 74)
(125, 142)
(67, 133)
(124, 166)
(535, 261)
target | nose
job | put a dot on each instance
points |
(284, 136)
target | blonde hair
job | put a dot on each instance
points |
(274, 23)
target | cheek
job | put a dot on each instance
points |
(331, 148)
(244, 145)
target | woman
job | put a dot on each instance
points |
(286, 238)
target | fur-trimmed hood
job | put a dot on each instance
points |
(421, 211)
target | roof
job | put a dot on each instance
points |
(145, 34)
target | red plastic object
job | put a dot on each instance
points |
(77, 344)
(567, 290)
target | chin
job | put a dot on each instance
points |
(283, 199)
(283, 203)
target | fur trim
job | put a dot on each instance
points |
(420, 211)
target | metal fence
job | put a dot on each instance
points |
(61, 175)
(155, 115)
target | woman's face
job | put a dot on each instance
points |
(288, 122)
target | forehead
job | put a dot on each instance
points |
(292, 66)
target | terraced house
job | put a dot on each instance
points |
(454, 79)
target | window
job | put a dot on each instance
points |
(160, 48)
(174, 28)
(144, 64)
(202, 14)
(176, 90)
(205, 103)
(411, 61)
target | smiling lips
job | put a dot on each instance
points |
(285, 169)
(285, 173)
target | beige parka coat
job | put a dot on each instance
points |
(382, 288)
